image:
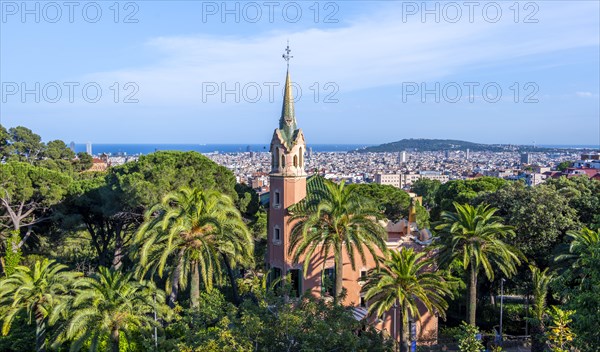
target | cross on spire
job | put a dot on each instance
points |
(287, 55)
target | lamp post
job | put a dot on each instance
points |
(395, 307)
(501, 304)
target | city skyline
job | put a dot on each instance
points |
(375, 61)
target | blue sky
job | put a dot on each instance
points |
(364, 59)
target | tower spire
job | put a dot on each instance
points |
(287, 122)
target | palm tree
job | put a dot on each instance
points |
(540, 281)
(472, 237)
(581, 241)
(107, 304)
(339, 221)
(194, 233)
(37, 292)
(405, 280)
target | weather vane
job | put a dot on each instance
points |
(287, 56)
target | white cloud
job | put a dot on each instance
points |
(584, 94)
(374, 50)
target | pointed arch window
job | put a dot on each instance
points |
(283, 161)
(295, 160)
(301, 155)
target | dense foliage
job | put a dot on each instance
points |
(92, 260)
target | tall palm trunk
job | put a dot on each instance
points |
(472, 295)
(537, 336)
(175, 282)
(234, 287)
(118, 254)
(405, 332)
(195, 285)
(339, 278)
(114, 340)
(40, 333)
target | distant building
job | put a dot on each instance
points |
(588, 161)
(389, 179)
(402, 157)
(587, 171)
(98, 164)
(434, 175)
(499, 173)
(72, 146)
(447, 154)
(88, 148)
(406, 180)
(590, 156)
(526, 158)
(467, 154)
(541, 169)
(535, 179)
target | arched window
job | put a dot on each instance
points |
(282, 160)
(295, 160)
(301, 154)
(276, 158)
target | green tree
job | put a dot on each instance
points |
(579, 285)
(427, 189)
(582, 194)
(25, 145)
(394, 200)
(143, 183)
(248, 202)
(540, 282)
(473, 237)
(464, 191)
(4, 142)
(582, 242)
(339, 221)
(83, 162)
(563, 166)
(422, 216)
(406, 280)
(37, 292)
(27, 193)
(195, 231)
(107, 305)
(57, 149)
(94, 206)
(541, 216)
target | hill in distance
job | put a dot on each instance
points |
(422, 144)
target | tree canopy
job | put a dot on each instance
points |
(394, 200)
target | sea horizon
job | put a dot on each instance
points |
(146, 148)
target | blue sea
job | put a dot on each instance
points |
(136, 149)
